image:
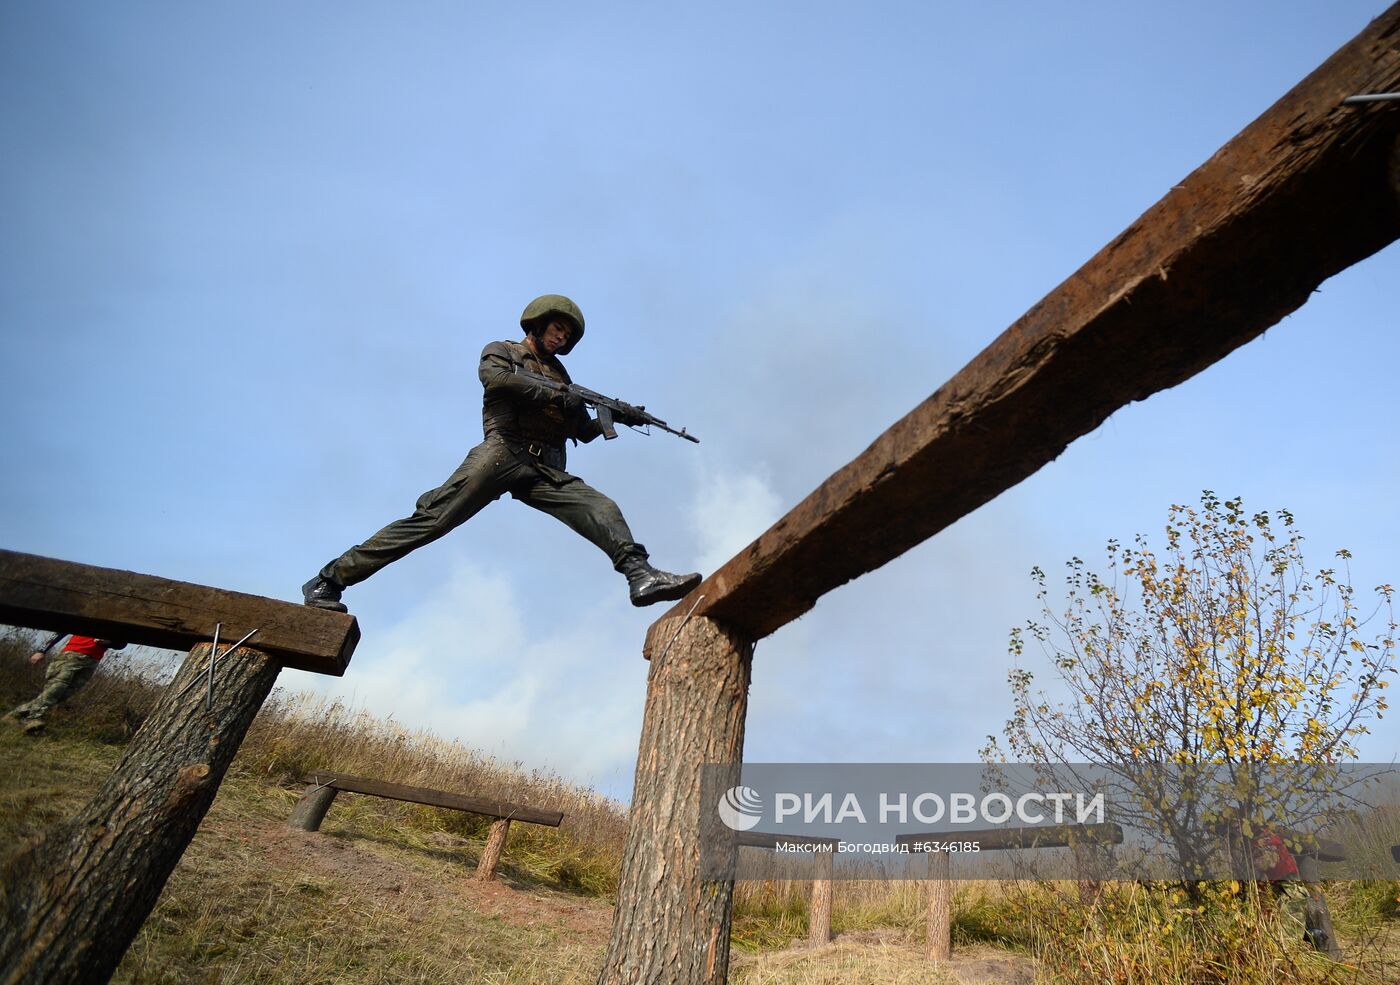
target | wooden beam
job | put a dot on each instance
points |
(434, 798)
(1298, 195)
(66, 597)
(1038, 836)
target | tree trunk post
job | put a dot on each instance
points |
(670, 927)
(491, 854)
(819, 917)
(74, 898)
(1088, 870)
(940, 907)
(311, 809)
(1317, 916)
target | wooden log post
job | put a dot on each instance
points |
(1088, 869)
(939, 944)
(1317, 916)
(311, 809)
(74, 899)
(491, 854)
(670, 926)
(819, 916)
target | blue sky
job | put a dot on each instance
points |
(249, 257)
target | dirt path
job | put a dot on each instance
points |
(380, 877)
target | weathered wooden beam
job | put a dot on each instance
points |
(66, 597)
(434, 798)
(770, 839)
(1036, 836)
(73, 900)
(1298, 195)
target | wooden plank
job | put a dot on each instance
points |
(435, 798)
(1300, 194)
(769, 839)
(1302, 843)
(67, 597)
(1037, 836)
(1320, 848)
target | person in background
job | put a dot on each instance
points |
(69, 671)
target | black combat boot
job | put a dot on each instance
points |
(647, 585)
(323, 593)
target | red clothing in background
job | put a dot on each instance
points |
(86, 645)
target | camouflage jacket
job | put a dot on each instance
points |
(524, 413)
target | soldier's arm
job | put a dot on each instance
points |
(587, 428)
(498, 376)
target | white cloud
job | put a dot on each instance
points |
(476, 660)
(729, 512)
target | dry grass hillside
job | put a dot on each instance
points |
(384, 892)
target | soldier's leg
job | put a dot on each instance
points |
(586, 511)
(481, 478)
(598, 518)
(67, 673)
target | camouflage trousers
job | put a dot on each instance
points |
(489, 471)
(68, 672)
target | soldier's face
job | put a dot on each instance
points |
(555, 336)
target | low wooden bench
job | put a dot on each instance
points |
(311, 809)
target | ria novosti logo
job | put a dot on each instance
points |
(741, 808)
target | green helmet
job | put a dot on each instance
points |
(554, 304)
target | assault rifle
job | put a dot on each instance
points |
(607, 408)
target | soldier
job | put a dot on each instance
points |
(68, 672)
(526, 425)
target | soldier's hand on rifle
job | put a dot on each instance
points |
(570, 400)
(630, 416)
(36, 657)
